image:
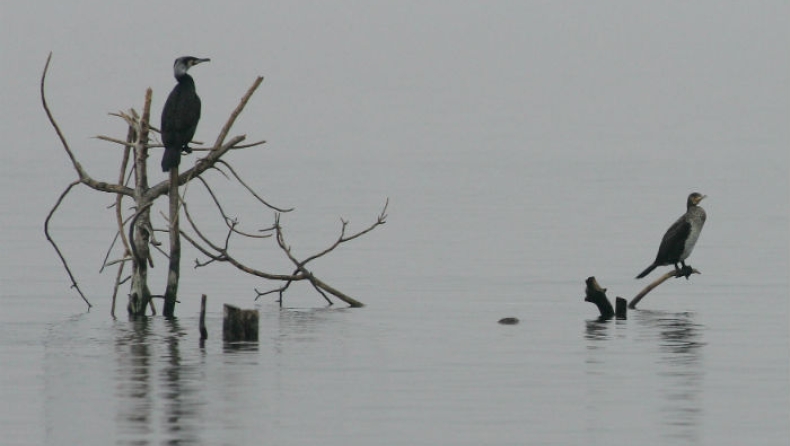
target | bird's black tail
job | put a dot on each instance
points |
(647, 271)
(171, 158)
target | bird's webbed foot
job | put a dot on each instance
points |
(186, 149)
(686, 271)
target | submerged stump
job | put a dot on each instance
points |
(239, 325)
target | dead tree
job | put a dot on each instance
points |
(137, 233)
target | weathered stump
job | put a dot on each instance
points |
(621, 308)
(239, 325)
(597, 295)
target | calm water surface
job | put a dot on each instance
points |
(704, 362)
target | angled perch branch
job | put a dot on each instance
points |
(685, 272)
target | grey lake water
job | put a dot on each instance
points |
(523, 148)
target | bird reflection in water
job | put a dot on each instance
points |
(680, 368)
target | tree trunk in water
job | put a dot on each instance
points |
(139, 229)
(171, 291)
(140, 295)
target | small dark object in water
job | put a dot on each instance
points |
(509, 321)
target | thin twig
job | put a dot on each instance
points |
(130, 136)
(115, 141)
(380, 220)
(115, 289)
(231, 223)
(250, 190)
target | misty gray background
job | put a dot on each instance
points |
(692, 91)
(524, 146)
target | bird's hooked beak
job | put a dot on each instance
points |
(197, 61)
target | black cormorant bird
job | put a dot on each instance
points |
(680, 238)
(181, 113)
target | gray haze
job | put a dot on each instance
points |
(690, 89)
(524, 146)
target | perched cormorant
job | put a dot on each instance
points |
(181, 113)
(679, 240)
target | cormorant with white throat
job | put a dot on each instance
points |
(679, 240)
(181, 113)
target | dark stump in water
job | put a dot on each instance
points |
(239, 325)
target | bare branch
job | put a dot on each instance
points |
(380, 220)
(130, 136)
(228, 221)
(249, 189)
(118, 282)
(246, 146)
(115, 140)
(201, 166)
(239, 108)
(51, 118)
(313, 280)
(209, 149)
(83, 175)
(54, 245)
(221, 254)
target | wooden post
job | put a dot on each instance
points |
(620, 308)
(171, 290)
(203, 331)
(239, 325)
